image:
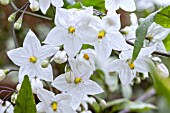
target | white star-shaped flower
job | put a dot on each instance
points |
(77, 83)
(72, 30)
(30, 56)
(126, 69)
(107, 35)
(51, 103)
(127, 5)
(155, 35)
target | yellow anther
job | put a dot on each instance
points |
(77, 80)
(86, 56)
(131, 65)
(54, 106)
(71, 30)
(101, 34)
(32, 59)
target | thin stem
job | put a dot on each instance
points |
(29, 13)
(155, 52)
(14, 35)
(5, 87)
(144, 97)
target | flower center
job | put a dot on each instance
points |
(71, 30)
(77, 80)
(54, 106)
(32, 59)
(101, 34)
(131, 65)
(86, 56)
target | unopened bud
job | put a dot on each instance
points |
(18, 87)
(45, 64)
(137, 80)
(69, 77)
(60, 57)
(18, 23)
(14, 97)
(4, 2)
(11, 18)
(162, 70)
(34, 6)
(3, 73)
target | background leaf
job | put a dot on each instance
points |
(163, 17)
(25, 100)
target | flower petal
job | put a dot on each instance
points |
(127, 5)
(91, 88)
(57, 3)
(44, 5)
(18, 56)
(31, 44)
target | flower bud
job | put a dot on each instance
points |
(3, 73)
(11, 18)
(137, 80)
(60, 57)
(36, 84)
(69, 77)
(4, 2)
(44, 63)
(162, 70)
(34, 6)
(18, 23)
(14, 97)
(18, 87)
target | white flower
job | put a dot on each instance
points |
(51, 103)
(126, 69)
(87, 56)
(60, 57)
(155, 35)
(30, 56)
(107, 35)
(45, 4)
(72, 30)
(147, 5)
(6, 107)
(127, 5)
(36, 84)
(34, 6)
(80, 84)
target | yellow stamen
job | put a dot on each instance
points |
(54, 106)
(32, 59)
(131, 65)
(86, 56)
(77, 80)
(101, 34)
(71, 30)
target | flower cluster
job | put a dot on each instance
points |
(73, 29)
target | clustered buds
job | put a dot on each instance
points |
(60, 57)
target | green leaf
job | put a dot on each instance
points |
(166, 42)
(76, 5)
(141, 33)
(25, 100)
(140, 106)
(163, 17)
(97, 4)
